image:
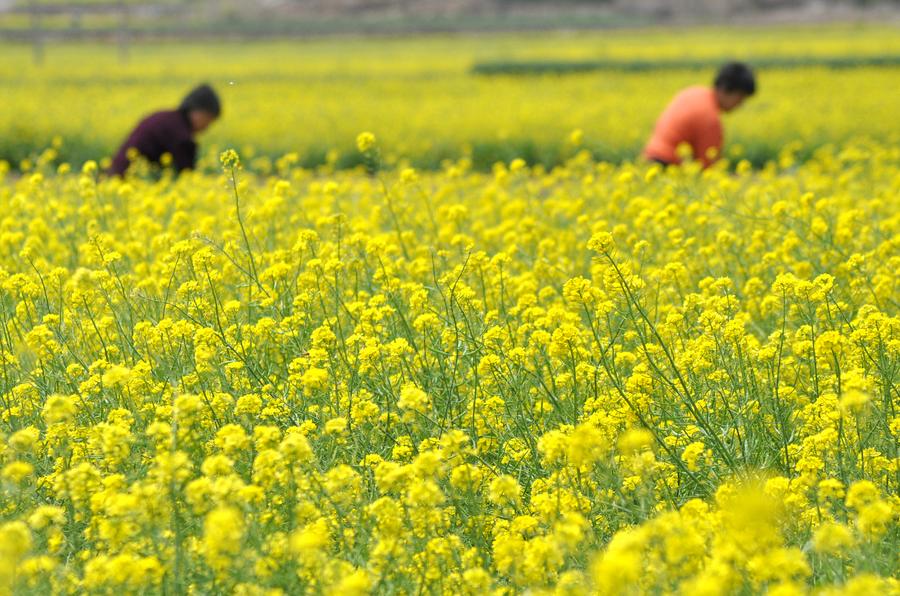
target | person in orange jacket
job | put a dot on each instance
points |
(692, 116)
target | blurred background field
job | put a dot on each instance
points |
(487, 97)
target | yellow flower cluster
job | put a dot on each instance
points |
(595, 379)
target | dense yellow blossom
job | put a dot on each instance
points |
(592, 379)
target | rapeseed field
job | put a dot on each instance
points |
(591, 379)
(480, 348)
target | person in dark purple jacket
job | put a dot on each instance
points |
(172, 132)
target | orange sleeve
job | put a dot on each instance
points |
(709, 136)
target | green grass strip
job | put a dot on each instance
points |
(561, 67)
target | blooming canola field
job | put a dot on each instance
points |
(473, 351)
(591, 379)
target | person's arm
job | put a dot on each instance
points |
(122, 159)
(184, 155)
(119, 163)
(709, 136)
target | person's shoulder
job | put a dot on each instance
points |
(157, 116)
(688, 97)
(172, 123)
(700, 101)
(695, 93)
(168, 117)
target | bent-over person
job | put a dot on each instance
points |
(693, 117)
(172, 132)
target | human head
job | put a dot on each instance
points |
(202, 107)
(734, 83)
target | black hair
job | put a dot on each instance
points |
(736, 76)
(202, 98)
